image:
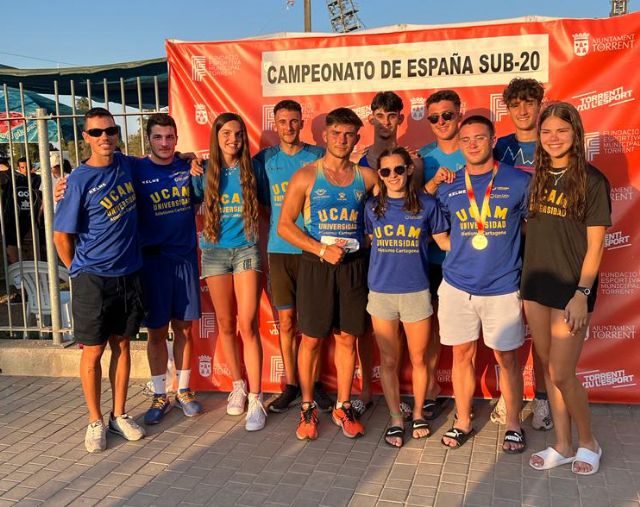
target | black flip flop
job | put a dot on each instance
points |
(420, 424)
(394, 431)
(516, 437)
(433, 408)
(458, 435)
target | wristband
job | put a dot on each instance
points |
(323, 250)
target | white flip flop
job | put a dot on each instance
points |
(551, 458)
(590, 458)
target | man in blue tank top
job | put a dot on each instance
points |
(274, 167)
(441, 159)
(332, 278)
(523, 97)
(486, 206)
(96, 236)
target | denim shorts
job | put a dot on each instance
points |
(229, 261)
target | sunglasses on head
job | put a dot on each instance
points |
(385, 172)
(110, 131)
(446, 116)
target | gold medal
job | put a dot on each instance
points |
(479, 242)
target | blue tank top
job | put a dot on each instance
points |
(336, 211)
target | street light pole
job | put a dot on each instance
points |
(307, 15)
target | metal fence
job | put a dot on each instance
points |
(35, 294)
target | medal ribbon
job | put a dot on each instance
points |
(480, 216)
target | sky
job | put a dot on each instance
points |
(63, 33)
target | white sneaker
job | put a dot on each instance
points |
(541, 415)
(126, 427)
(95, 440)
(237, 398)
(499, 414)
(256, 415)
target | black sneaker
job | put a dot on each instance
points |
(286, 398)
(324, 402)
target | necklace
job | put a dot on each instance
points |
(557, 175)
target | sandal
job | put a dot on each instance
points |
(360, 407)
(433, 408)
(551, 459)
(394, 431)
(516, 437)
(458, 435)
(590, 458)
(420, 424)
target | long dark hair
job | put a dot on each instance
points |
(411, 200)
(575, 179)
(212, 200)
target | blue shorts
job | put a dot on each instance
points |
(171, 288)
(229, 261)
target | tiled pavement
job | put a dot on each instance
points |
(212, 460)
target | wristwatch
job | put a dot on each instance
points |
(585, 290)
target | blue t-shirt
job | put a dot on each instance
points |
(166, 215)
(99, 207)
(399, 259)
(274, 168)
(336, 211)
(496, 269)
(363, 161)
(432, 159)
(519, 154)
(231, 221)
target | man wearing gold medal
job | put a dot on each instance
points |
(486, 205)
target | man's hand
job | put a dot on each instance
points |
(443, 175)
(196, 167)
(60, 188)
(333, 254)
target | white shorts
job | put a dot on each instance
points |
(462, 316)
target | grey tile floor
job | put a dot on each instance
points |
(212, 460)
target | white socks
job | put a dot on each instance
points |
(159, 384)
(183, 379)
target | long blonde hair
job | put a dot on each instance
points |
(212, 200)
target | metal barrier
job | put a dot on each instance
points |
(28, 292)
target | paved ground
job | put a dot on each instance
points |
(212, 460)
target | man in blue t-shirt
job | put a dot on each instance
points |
(523, 97)
(486, 205)
(95, 233)
(274, 167)
(167, 232)
(441, 159)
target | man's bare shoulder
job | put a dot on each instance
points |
(369, 175)
(305, 174)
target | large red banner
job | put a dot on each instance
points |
(588, 62)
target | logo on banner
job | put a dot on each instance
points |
(527, 375)
(614, 379)
(621, 141)
(619, 283)
(611, 332)
(363, 112)
(274, 327)
(581, 43)
(418, 108)
(277, 369)
(443, 376)
(202, 118)
(198, 67)
(207, 325)
(622, 193)
(592, 144)
(268, 118)
(614, 97)
(615, 240)
(204, 366)
(497, 107)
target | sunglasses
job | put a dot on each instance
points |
(446, 116)
(110, 131)
(385, 172)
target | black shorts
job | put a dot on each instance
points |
(11, 234)
(283, 278)
(435, 279)
(106, 305)
(332, 297)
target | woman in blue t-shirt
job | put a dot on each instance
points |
(231, 260)
(399, 221)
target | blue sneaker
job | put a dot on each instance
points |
(186, 400)
(159, 407)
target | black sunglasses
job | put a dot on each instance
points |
(110, 131)
(446, 116)
(385, 172)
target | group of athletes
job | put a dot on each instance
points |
(386, 243)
